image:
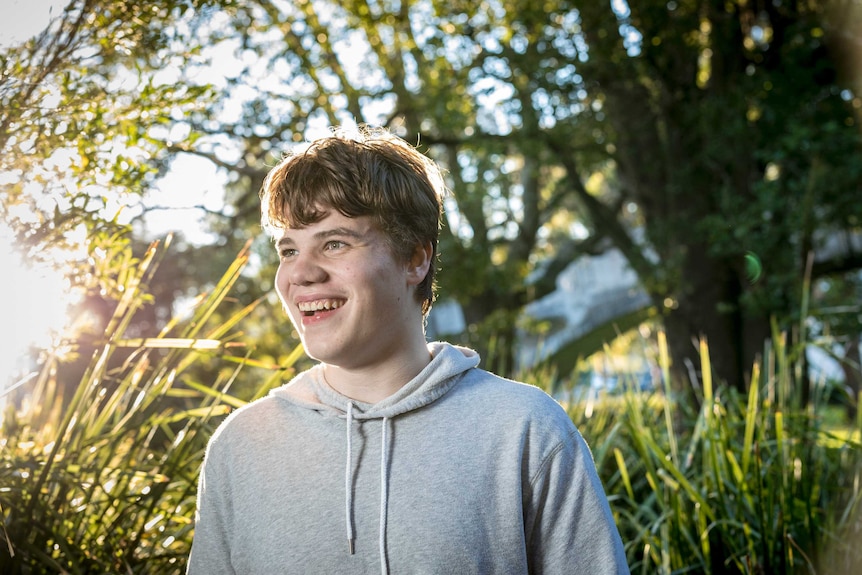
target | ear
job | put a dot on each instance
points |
(419, 263)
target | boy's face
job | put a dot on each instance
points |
(351, 301)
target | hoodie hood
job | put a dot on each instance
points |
(310, 391)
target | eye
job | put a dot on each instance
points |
(287, 252)
(334, 245)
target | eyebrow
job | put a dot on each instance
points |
(324, 234)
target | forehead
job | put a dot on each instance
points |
(332, 223)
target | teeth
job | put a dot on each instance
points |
(319, 305)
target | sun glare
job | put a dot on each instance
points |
(34, 310)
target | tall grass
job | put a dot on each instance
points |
(752, 483)
(743, 483)
(107, 483)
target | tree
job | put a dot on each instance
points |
(732, 134)
(322, 63)
(724, 127)
(723, 130)
(83, 117)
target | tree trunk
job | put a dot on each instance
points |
(708, 307)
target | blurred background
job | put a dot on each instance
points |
(694, 164)
(660, 196)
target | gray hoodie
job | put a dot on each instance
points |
(459, 472)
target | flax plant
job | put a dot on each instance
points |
(107, 483)
(743, 484)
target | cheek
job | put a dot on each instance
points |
(281, 282)
(282, 285)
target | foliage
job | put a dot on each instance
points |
(756, 484)
(727, 120)
(722, 130)
(107, 483)
(86, 109)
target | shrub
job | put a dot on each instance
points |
(740, 484)
(756, 484)
(107, 484)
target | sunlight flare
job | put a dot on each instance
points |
(34, 310)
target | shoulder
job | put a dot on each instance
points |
(513, 411)
(500, 392)
(245, 422)
(266, 413)
(515, 407)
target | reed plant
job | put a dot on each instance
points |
(755, 483)
(107, 482)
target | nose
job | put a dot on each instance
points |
(304, 269)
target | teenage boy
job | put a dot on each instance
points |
(390, 455)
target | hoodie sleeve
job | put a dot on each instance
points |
(210, 553)
(570, 527)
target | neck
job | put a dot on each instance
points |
(374, 383)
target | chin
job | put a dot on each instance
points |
(320, 355)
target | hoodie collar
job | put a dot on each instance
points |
(309, 390)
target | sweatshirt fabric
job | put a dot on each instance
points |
(459, 472)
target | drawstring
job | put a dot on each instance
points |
(384, 488)
(348, 481)
(384, 493)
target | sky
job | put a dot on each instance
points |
(22, 19)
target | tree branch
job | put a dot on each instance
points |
(604, 219)
(244, 170)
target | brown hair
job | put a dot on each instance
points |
(366, 172)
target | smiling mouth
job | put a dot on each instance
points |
(309, 308)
